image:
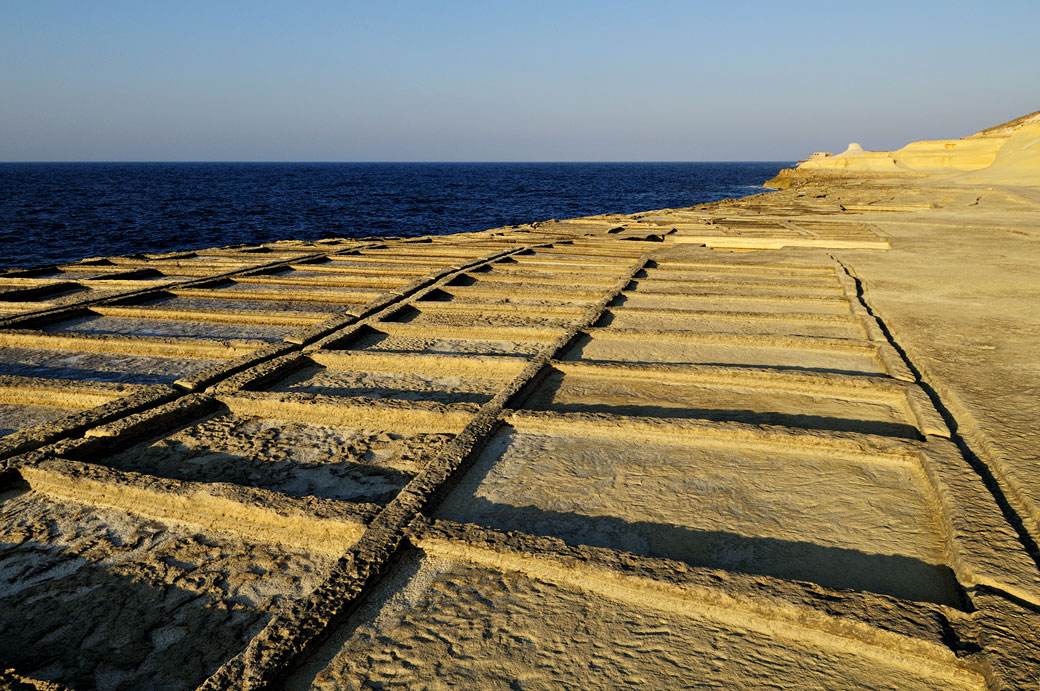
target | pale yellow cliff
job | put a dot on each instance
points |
(1006, 154)
(1017, 162)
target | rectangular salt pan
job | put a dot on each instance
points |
(837, 521)
(144, 326)
(62, 363)
(347, 464)
(96, 597)
(466, 626)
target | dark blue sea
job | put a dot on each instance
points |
(60, 212)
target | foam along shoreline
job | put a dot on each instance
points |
(788, 439)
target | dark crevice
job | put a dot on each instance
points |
(955, 642)
(998, 592)
(977, 464)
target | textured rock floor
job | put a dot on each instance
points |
(788, 441)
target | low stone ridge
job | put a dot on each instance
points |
(782, 441)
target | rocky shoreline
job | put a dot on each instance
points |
(784, 440)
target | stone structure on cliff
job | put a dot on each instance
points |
(783, 441)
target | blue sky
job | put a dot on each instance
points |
(496, 81)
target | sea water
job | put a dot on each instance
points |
(60, 212)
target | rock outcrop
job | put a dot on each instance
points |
(1006, 154)
(784, 441)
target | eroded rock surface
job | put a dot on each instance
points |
(783, 441)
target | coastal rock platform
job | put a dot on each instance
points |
(787, 441)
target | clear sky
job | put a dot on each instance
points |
(447, 80)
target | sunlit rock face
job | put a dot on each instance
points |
(1009, 151)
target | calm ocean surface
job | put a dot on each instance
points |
(59, 212)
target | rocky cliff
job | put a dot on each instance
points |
(1006, 154)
